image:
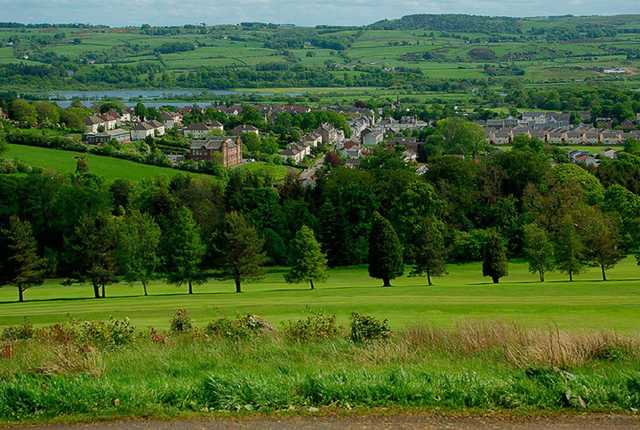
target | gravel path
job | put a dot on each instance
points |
(372, 422)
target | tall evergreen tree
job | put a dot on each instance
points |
(538, 249)
(308, 262)
(385, 251)
(569, 248)
(188, 250)
(25, 265)
(494, 255)
(138, 241)
(244, 250)
(94, 247)
(428, 249)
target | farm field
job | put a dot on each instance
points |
(586, 304)
(107, 167)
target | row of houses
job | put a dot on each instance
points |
(110, 120)
(571, 135)
(326, 134)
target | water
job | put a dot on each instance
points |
(151, 98)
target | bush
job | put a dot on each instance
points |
(240, 328)
(316, 327)
(20, 332)
(181, 322)
(112, 333)
(366, 329)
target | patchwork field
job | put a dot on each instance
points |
(586, 304)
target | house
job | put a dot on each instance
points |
(234, 110)
(328, 133)
(171, 119)
(501, 136)
(94, 123)
(628, 125)
(312, 139)
(372, 137)
(611, 137)
(575, 136)
(201, 131)
(604, 122)
(292, 154)
(610, 153)
(99, 138)
(110, 119)
(245, 129)
(230, 149)
(142, 130)
(557, 136)
(591, 136)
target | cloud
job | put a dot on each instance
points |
(301, 12)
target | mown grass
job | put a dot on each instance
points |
(108, 167)
(584, 305)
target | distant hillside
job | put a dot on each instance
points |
(453, 23)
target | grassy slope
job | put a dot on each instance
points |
(586, 304)
(110, 168)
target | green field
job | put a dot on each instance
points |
(587, 304)
(108, 167)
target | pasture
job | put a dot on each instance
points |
(587, 304)
(108, 167)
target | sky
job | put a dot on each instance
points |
(299, 12)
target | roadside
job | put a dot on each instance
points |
(370, 422)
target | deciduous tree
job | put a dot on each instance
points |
(187, 250)
(538, 249)
(494, 255)
(428, 249)
(309, 263)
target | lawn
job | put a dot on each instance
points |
(108, 167)
(587, 304)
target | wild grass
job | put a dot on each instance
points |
(474, 365)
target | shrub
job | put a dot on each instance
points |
(20, 332)
(181, 322)
(366, 328)
(240, 328)
(112, 333)
(315, 327)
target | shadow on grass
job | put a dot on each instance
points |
(111, 298)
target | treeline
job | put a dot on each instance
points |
(489, 206)
(453, 23)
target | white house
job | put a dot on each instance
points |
(142, 130)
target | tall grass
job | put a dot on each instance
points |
(478, 365)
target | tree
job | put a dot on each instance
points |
(23, 112)
(494, 257)
(308, 261)
(385, 251)
(428, 249)
(602, 240)
(244, 250)
(94, 247)
(569, 248)
(538, 249)
(457, 135)
(187, 250)
(138, 240)
(26, 267)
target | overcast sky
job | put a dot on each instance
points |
(301, 12)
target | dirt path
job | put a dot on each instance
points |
(373, 422)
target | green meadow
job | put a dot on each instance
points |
(108, 167)
(587, 304)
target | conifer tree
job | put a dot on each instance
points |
(385, 251)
